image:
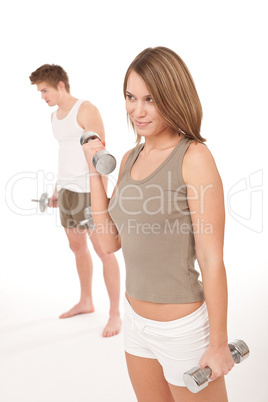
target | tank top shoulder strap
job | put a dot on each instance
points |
(54, 116)
(72, 113)
(132, 157)
(180, 151)
(174, 163)
(76, 107)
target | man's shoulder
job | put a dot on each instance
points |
(87, 107)
(85, 104)
(87, 114)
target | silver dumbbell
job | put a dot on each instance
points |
(103, 162)
(88, 221)
(43, 202)
(197, 379)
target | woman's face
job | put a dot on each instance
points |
(141, 109)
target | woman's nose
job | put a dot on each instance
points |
(140, 109)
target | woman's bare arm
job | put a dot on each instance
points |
(107, 233)
(206, 203)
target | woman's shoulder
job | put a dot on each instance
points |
(125, 158)
(126, 155)
(198, 161)
(131, 151)
(122, 165)
(198, 152)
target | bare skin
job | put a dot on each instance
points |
(90, 120)
(78, 244)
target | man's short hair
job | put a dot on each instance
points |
(52, 74)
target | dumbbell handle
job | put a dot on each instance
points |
(89, 136)
(39, 200)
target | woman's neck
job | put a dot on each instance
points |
(161, 143)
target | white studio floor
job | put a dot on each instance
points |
(45, 359)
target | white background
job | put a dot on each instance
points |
(224, 44)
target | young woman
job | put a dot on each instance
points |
(166, 211)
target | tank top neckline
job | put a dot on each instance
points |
(68, 114)
(158, 168)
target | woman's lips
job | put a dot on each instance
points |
(141, 123)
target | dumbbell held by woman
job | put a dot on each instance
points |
(197, 379)
(103, 161)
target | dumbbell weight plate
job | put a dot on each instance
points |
(43, 202)
(239, 350)
(104, 162)
(88, 221)
(196, 379)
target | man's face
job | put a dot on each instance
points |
(49, 94)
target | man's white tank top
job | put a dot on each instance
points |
(73, 171)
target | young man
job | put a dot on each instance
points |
(72, 192)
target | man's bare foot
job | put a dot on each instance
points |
(113, 326)
(80, 308)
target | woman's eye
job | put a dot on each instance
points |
(150, 100)
(130, 97)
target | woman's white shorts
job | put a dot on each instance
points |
(178, 345)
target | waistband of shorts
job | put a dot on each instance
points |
(68, 191)
(198, 314)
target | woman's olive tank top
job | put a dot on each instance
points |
(153, 218)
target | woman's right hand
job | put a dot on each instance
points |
(90, 149)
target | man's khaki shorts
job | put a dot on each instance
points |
(72, 208)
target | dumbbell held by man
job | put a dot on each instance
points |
(103, 161)
(43, 202)
(196, 379)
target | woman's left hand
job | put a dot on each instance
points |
(219, 359)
